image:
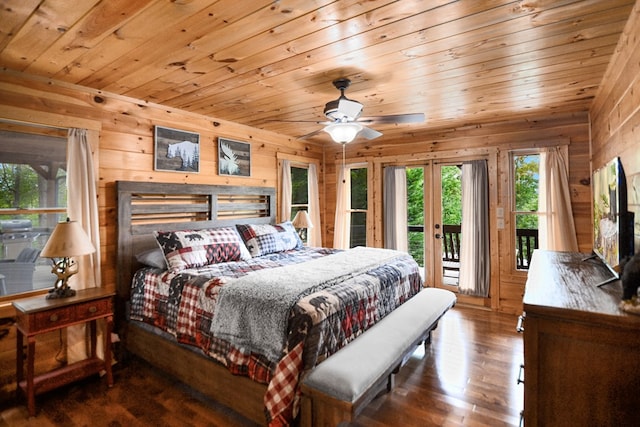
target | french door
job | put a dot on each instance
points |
(435, 212)
(446, 225)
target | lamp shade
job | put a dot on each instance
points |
(68, 239)
(343, 132)
(302, 220)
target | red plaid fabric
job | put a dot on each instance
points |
(281, 399)
(188, 311)
(150, 298)
(320, 323)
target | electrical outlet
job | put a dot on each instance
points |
(500, 224)
(500, 213)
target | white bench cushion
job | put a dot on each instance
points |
(351, 371)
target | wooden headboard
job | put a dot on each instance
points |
(144, 207)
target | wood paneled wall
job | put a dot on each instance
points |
(126, 141)
(491, 140)
(615, 114)
(126, 149)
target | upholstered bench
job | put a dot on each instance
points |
(340, 387)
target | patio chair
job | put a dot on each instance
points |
(16, 275)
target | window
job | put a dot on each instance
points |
(415, 213)
(358, 205)
(33, 199)
(526, 176)
(299, 189)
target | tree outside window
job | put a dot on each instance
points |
(526, 175)
(299, 193)
(299, 190)
(415, 213)
(359, 206)
(33, 199)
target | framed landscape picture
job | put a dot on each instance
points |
(234, 157)
(176, 150)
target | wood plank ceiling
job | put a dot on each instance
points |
(270, 64)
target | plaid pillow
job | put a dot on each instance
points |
(197, 248)
(263, 239)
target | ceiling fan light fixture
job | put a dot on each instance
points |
(343, 132)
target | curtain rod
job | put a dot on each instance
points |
(35, 125)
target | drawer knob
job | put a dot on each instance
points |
(93, 309)
(54, 318)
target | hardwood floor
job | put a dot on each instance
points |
(467, 377)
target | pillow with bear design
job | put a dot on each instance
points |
(196, 248)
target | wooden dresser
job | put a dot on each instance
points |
(581, 352)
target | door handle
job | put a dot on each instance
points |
(438, 236)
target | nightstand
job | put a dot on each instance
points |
(40, 315)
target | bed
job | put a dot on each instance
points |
(227, 323)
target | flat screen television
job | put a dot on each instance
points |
(612, 222)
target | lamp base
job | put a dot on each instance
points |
(63, 269)
(60, 293)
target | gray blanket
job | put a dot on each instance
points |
(253, 310)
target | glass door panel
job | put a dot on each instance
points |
(447, 214)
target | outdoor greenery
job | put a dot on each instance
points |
(415, 212)
(20, 188)
(299, 190)
(526, 173)
(358, 202)
(526, 176)
(451, 204)
(451, 195)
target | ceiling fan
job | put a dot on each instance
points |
(344, 122)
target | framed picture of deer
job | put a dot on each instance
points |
(176, 150)
(234, 157)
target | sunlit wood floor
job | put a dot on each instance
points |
(467, 377)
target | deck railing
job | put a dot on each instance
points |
(526, 242)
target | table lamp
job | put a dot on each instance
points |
(301, 222)
(67, 240)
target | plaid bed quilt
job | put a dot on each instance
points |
(321, 323)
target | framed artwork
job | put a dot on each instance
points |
(176, 150)
(234, 157)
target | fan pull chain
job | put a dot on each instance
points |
(344, 168)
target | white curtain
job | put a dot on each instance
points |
(395, 208)
(343, 220)
(82, 206)
(474, 248)
(314, 235)
(556, 228)
(285, 191)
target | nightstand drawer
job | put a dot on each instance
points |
(93, 308)
(53, 318)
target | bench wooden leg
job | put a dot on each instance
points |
(318, 411)
(427, 341)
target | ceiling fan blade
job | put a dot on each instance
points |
(369, 133)
(296, 121)
(309, 135)
(350, 109)
(394, 118)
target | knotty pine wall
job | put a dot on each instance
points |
(126, 141)
(615, 114)
(126, 153)
(493, 141)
